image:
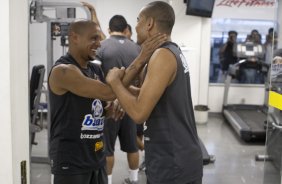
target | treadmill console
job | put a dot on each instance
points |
(249, 50)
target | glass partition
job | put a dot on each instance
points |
(228, 35)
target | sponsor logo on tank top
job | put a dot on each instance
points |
(147, 138)
(99, 145)
(94, 121)
(145, 126)
(184, 63)
(91, 136)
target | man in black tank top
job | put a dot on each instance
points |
(77, 104)
(172, 150)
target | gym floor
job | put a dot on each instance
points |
(235, 160)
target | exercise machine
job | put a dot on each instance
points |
(248, 121)
(35, 91)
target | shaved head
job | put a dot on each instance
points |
(84, 38)
(162, 13)
(81, 26)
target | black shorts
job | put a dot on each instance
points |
(140, 129)
(94, 177)
(125, 129)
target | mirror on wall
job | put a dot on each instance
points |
(234, 40)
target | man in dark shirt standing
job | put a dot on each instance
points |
(77, 94)
(226, 54)
(172, 150)
(119, 51)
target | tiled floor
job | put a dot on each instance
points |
(235, 160)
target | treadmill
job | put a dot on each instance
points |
(248, 121)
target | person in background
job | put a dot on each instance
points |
(128, 32)
(270, 45)
(250, 73)
(119, 51)
(77, 94)
(173, 152)
(277, 59)
(254, 37)
(226, 54)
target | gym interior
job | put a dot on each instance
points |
(237, 109)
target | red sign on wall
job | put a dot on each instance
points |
(245, 9)
(246, 3)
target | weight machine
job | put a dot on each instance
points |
(58, 16)
(247, 120)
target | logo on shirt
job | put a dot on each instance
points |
(97, 108)
(121, 41)
(99, 145)
(184, 63)
(145, 126)
(94, 121)
(91, 136)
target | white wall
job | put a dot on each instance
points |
(19, 14)
(238, 94)
(6, 173)
(14, 132)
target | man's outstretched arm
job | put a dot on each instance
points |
(161, 72)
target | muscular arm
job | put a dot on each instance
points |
(65, 78)
(140, 107)
(133, 70)
(134, 90)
